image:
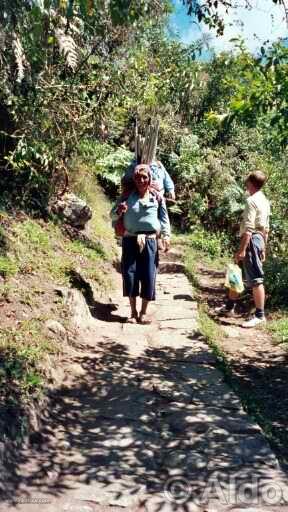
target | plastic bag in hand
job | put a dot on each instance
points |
(233, 279)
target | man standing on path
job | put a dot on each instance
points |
(254, 231)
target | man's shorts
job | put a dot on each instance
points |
(139, 268)
(252, 265)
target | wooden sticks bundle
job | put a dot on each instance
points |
(146, 147)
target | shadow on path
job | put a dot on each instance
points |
(119, 431)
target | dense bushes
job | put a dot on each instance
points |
(277, 281)
(107, 162)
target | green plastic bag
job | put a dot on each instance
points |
(233, 279)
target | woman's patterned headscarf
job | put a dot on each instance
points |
(142, 168)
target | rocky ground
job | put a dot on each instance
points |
(144, 421)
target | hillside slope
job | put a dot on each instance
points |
(38, 260)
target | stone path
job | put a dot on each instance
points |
(145, 422)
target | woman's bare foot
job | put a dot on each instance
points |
(144, 319)
(133, 318)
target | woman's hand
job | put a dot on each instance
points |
(122, 208)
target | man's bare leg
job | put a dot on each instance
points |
(259, 296)
(259, 301)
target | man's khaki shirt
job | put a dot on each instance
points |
(256, 214)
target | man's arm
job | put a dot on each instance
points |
(165, 224)
(249, 217)
(265, 235)
(245, 239)
(168, 183)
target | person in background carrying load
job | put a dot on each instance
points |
(254, 231)
(145, 218)
(160, 180)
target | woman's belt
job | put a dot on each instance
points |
(147, 234)
(142, 237)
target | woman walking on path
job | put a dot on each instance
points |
(145, 218)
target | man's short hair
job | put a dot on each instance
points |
(257, 178)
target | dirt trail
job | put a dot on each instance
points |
(259, 365)
(145, 422)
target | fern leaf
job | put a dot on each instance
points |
(2, 45)
(63, 4)
(2, 39)
(20, 58)
(67, 48)
(90, 7)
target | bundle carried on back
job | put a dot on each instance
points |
(146, 147)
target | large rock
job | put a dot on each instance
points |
(73, 210)
(55, 327)
(80, 312)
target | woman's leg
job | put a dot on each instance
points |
(144, 306)
(148, 263)
(143, 319)
(129, 274)
(133, 306)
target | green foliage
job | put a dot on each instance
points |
(208, 183)
(112, 167)
(259, 87)
(58, 74)
(212, 245)
(108, 163)
(277, 281)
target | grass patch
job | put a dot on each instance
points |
(212, 245)
(208, 327)
(34, 235)
(23, 352)
(32, 246)
(21, 349)
(190, 262)
(201, 246)
(3, 239)
(43, 249)
(93, 253)
(279, 330)
(8, 266)
(101, 232)
(6, 291)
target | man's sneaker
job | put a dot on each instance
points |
(254, 322)
(223, 310)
